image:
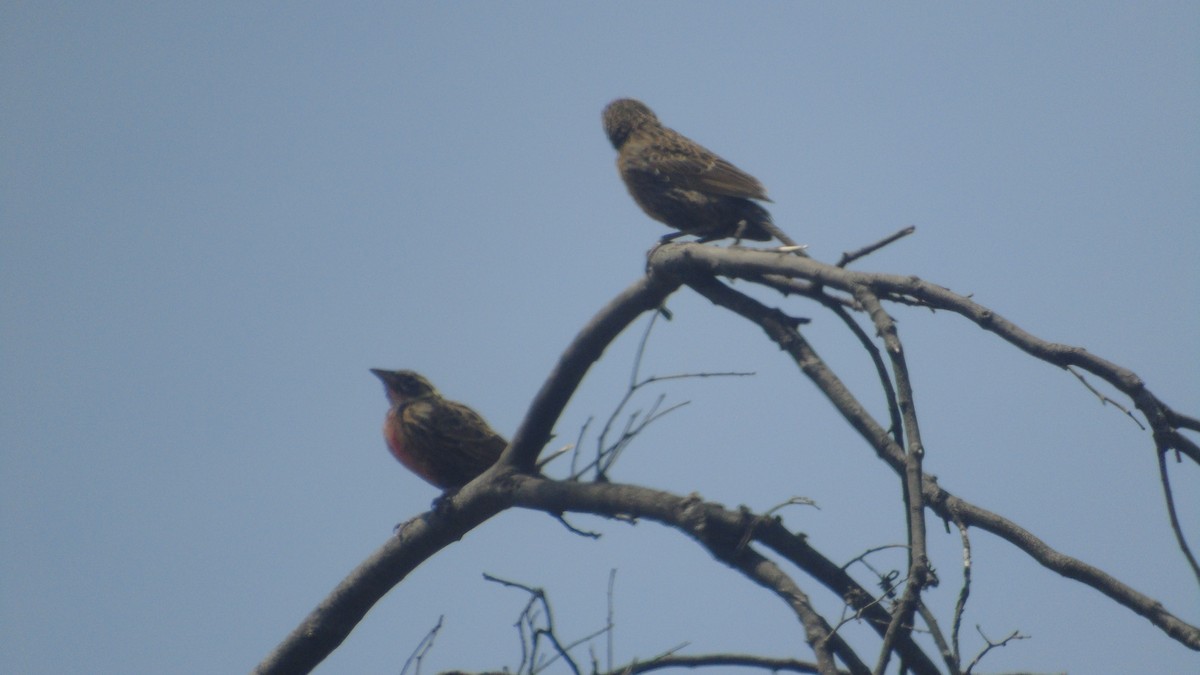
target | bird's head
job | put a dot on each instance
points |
(624, 116)
(404, 385)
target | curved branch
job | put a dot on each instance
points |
(508, 483)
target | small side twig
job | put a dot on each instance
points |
(867, 250)
(1104, 400)
(607, 454)
(1015, 635)
(528, 619)
(770, 513)
(554, 455)
(588, 534)
(763, 663)
(575, 472)
(423, 647)
(885, 381)
(888, 581)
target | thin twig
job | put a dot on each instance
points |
(1165, 479)
(575, 473)
(960, 605)
(1015, 635)
(607, 454)
(848, 258)
(543, 461)
(529, 617)
(1104, 400)
(881, 371)
(609, 621)
(423, 647)
(697, 661)
(770, 513)
(862, 557)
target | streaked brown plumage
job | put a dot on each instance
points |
(444, 442)
(678, 182)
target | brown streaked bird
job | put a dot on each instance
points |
(444, 442)
(678, 182)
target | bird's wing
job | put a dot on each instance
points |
(694, 167)
(468, 436)
(453, 441)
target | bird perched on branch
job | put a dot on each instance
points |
(678, 182)
(444, 442)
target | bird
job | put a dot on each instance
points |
(444, 442)
(682, 184)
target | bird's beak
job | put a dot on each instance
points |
(383, 375)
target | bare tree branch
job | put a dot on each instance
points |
(694, 264)
(722, 532)
(1165, 477)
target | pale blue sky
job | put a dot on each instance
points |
(214, 218)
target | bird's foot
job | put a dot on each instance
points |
(441, 504)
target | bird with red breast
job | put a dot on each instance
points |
(682, 184)
(444, 442)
